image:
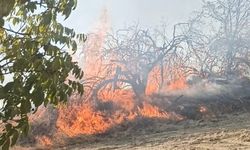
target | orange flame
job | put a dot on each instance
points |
(83, 119)
(203, 109)
(153, 112)
(153, 84)
(44, 140)
(115, 105)
(178, 81)
(178, 84)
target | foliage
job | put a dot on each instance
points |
(33, 63)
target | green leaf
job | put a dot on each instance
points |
(1, 22)
(47, 17)
(8, 87)
(31, 6)
(14, 137)
(2, 93)
(2, 138)
(6, 144)
(25, 106)
(36, 64)
(25, 128)
(67, 12)
(8, 126)
(38, 97)
(74, 46)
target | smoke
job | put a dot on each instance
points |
(205, 88)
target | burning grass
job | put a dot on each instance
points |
(119, 113)
(87, 120)
(122, 97)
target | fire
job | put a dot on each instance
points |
(153, 112)
(203, 109)
(153, 81)
(82, 119)
(121, 98)
(114, 105)
(178, 84)
(44, 140)
(157, 80)
(92, 61)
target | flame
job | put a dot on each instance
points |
(82, 119)
(157, 80)
(44, 140)
(179, 80)
(178, 84)
(115, 106)
(203, 109)
(121, 98)
(93, 62)
(153, 84)
(153, 112)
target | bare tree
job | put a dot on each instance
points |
(134, 53)
(219, 36)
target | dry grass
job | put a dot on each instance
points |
(214, 119)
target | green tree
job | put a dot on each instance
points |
(32, 56)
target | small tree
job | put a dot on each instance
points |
(33, 63)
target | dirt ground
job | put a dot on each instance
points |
(227, 132)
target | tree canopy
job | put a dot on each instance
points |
(34, 64)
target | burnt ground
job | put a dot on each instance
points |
(229, 131)
(226, 132)
(223, 124)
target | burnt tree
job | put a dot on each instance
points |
(133, 54)
(219, 37)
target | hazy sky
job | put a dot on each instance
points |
(125, 12)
